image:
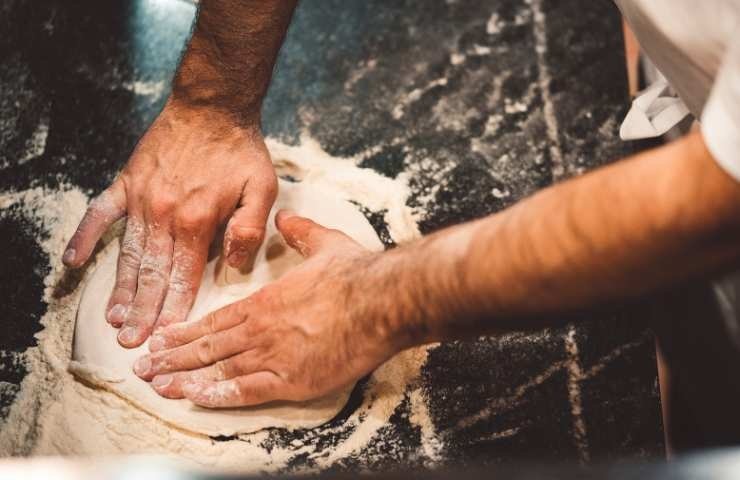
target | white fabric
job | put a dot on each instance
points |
(721, 117)
(654, 111)
(695, 45)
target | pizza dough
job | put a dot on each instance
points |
(99, 359)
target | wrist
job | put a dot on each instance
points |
(393, 303)
(209, 120)
(374, 310)
(231, 54)
(199, 84)
(429, 300)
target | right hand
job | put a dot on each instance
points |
(320, 327)
(192, 170)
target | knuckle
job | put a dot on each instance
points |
(205, 350)
(163, 204)
(104, 204)
(131, 250)
(135, 231)
(221, 370)
(154, 265)
(130, 256)
(248, 235)
(182, 287)
(243, 333)
(194, 217)
(150, 275)
(212, 322)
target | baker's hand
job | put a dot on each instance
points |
(304, 336)
(193, 169)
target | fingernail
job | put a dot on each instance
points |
(156, 343)
(116, 314)
(236, 258)
(162, 381)
(241, 260)
(287, 213)
(69, 255)
(127, 335)
(142, 366)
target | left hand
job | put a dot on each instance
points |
(194, 169)
(301, 337)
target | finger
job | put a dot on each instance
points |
(248, 390)
(197, 354)
(169, 385)
(194, 227)
(307, 236)
(102, 212)
(179, 334)
(127, 272)
(246, 229)
(151, 287)
(188, 264)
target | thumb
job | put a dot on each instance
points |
(307, 236)
(102, 212)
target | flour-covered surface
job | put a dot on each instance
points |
(424, 114)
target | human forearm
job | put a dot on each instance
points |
(643, 224)
(624, 230)
(229, 61)
(201, 164)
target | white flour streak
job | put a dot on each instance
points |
(616, 353)
(544, 80)
(147, 89)
(510, 401)
(494, 24)
(414, 95)
(431, 443)
(575, 376)
(341, 177)
(36, 145)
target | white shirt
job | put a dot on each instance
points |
(695, 44)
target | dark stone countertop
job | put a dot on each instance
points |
(480, 103)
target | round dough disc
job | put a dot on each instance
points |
(99, 359)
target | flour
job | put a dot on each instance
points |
(36, 145)
(54, 414)
(342, 178)
(155, 90)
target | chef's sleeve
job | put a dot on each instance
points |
(720, 120)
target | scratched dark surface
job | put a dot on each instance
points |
(480, 103)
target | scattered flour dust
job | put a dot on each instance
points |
(341, 177)
(54, 414)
